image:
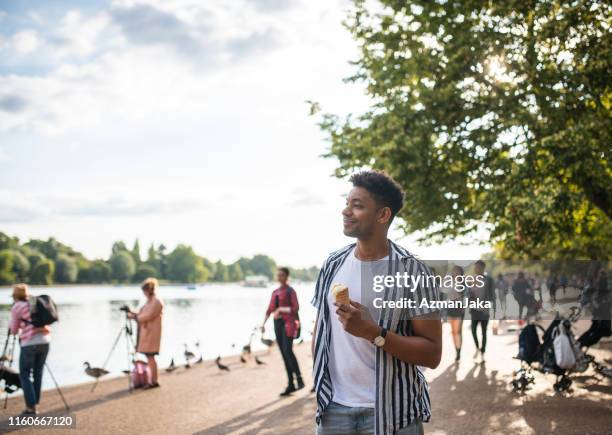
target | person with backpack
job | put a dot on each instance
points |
(34, 341)
(284, 307)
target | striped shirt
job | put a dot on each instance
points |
(28, 332)
(402, 394)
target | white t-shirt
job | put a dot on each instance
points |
(352, 360)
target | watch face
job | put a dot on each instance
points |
(379, 341)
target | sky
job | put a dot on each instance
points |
(178, 121)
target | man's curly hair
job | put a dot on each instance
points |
(385, 190)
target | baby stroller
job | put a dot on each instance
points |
(540, 356)
(544, 358)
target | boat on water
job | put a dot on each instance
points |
(259, 281)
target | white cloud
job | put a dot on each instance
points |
(26, 41)
(78, 36)
(26, 208)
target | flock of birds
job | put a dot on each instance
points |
(189, 356)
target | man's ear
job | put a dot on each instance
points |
(384, 215)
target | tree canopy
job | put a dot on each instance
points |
(488, 113)
(61, 264)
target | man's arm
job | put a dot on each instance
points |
(423, 348)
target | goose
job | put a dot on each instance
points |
(171, 367)
(94, 372)
(201, 359)
(259, 362)
(188, 356)
(267, 341)
(242, 360)
(221, 366)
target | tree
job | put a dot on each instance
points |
(43, 272)
(7, 275)
(35, 258)
(21, 266)
(143, 272)
(136, 252)
(235, 273)
(183, 265)
(66, 269)
(7, 242)
(221, 272)
(262, 265)
(493, 113)
(118, 247)
(122, 265)
(98, 271)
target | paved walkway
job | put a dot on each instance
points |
(467, 398)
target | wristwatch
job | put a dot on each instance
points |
(380, 340)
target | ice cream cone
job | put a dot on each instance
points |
(341, 294)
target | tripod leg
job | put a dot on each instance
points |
(57, 387)
(128, 338)
(108, 358)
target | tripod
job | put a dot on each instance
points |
(9, 357)
(126, 331)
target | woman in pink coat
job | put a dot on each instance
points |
(149, 320)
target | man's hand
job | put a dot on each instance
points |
(357, 321)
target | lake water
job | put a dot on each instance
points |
(218, 315)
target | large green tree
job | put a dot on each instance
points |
(494, 113)
(43, 272)
(66, 269)
(7, 275)
(122, 265)
(184, 265)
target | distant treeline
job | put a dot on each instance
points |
(50, 261)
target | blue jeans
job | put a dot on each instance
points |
(344, 420)
(32, 361)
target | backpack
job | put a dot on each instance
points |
(43, 311)
(529, 344)
(141, 374)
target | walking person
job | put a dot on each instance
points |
(502, 285)
(149, 319)
(563, 283)
(34, 343)
(456, 314)
(520, 290)
(480, 317)
(284, 309)
(367, 352)
(553, 285)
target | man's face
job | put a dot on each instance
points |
(479, 269)
(281, 276)
(361, 215)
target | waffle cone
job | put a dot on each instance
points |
(342, 296)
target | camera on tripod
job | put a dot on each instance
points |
(124, 308)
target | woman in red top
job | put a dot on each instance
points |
(284, 309)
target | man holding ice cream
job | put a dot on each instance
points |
(366, 360)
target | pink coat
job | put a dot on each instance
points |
(150, 326)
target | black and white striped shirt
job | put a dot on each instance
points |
(401, 390)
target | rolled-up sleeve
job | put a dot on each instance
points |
(18, 311)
